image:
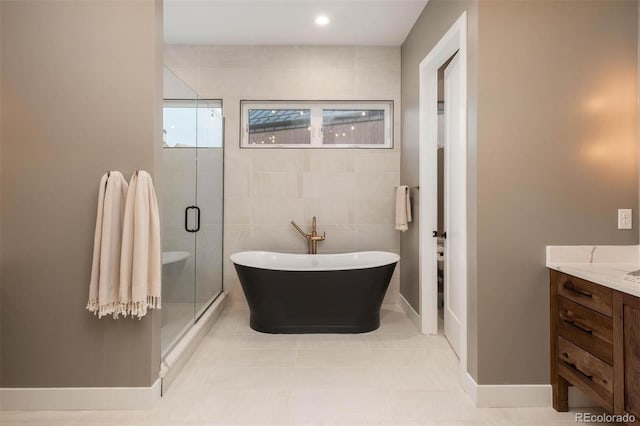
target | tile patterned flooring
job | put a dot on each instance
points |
(392, 376)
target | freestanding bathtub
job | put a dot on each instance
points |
(314, 293)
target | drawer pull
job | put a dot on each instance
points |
(573, 367)
(569, 286)
(579, 327)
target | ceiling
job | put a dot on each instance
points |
(251, 22)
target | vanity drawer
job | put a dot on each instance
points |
(590, 374)
(586, 328)
(593, 296)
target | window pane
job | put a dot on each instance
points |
(279, 126)
(191, 123)
(180, 124)
(209, 124)
(362, 127)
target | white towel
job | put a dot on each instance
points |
(107, 241)
(403, 208)
(140, 264)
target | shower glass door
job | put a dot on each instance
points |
(192, 204)
(209, 199)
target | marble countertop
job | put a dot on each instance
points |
(605, 265)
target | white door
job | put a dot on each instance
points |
(455, 221)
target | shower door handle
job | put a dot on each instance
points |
(186, 219)
(197, 218)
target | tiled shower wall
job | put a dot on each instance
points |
(351, 191)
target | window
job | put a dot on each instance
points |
(190, 123)
(316, 124)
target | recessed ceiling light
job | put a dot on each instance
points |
(322, 20)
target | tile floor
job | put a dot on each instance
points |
(393, 376)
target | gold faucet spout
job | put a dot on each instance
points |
(312, 238)
(295, 225)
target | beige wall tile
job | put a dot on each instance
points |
(237, 238)
(280, 57)
(378, 57)
(237, 174)
(328, 57)
(340, 238)
(376, 185)
(237, 211)
(181, 56)
(277, 238)
(277, 211)
(329, 160)
(377, 83)
(276, 185)
(226, 56)
(377, 68)
(332, 83)
(377, 237)
(219, 82)
(328, 185)
(237, 184)
(329, 211)
(280, 83)
(277, 160)
(377, 161)
(380, 210)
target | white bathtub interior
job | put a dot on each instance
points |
(314, 262)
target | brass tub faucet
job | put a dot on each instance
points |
(312, 238)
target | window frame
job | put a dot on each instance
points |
(316, 109)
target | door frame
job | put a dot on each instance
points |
(455, 40)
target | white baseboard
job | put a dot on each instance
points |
(413, 316)
(175, 360)
(29, 399)
(469, 386)
(517, 396)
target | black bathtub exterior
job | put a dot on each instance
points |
(344, 301)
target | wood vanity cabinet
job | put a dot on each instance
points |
(627, 361)
(595, 344)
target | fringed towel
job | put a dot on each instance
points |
(403, 208)
(107, 241)
(140, 263)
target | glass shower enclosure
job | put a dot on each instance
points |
(192, 207)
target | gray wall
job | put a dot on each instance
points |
(436, 18)
(81, 85)
(351, 191)
(555, 157)
(561, 116)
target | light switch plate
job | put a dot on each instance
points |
(624, 218)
